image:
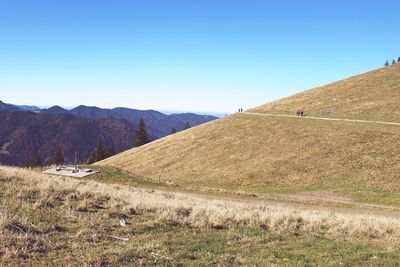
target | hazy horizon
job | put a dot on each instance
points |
(167, 112)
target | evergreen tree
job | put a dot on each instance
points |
(58, 158)
(110, 151)
(173, 130)
(187, 125)
(387, 63)
(141, 136)
(393, 61)
(36, 161)
(100, 154)
(92, 157)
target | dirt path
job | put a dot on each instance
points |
(320, 118)
(310, 201)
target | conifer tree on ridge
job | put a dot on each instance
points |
(141, 137)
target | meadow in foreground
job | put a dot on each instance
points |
(48, 220)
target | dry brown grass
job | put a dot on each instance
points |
(264, 153)
(189, 210)
(371, 96)
(260, 154)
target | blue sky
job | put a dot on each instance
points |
(208, 55)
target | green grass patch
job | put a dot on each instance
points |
(112, 175)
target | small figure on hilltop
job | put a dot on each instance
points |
(387, 63)
(393, 62)
(398, 60)
(300, 113)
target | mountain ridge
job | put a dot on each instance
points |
(116, 127)
(158, 124)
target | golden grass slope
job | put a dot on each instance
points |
(76, 199)
(257, 153)
(371, 96)
(264, 153)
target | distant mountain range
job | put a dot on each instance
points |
(158, 124)
(26, 130)
(4, 106)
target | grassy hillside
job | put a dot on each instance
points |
(372, 96)
(49, 220)
(280, 154)
(270, 153)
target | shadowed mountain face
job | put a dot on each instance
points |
(157, 124)
(24, 133)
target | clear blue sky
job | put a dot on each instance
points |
(205, 55)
